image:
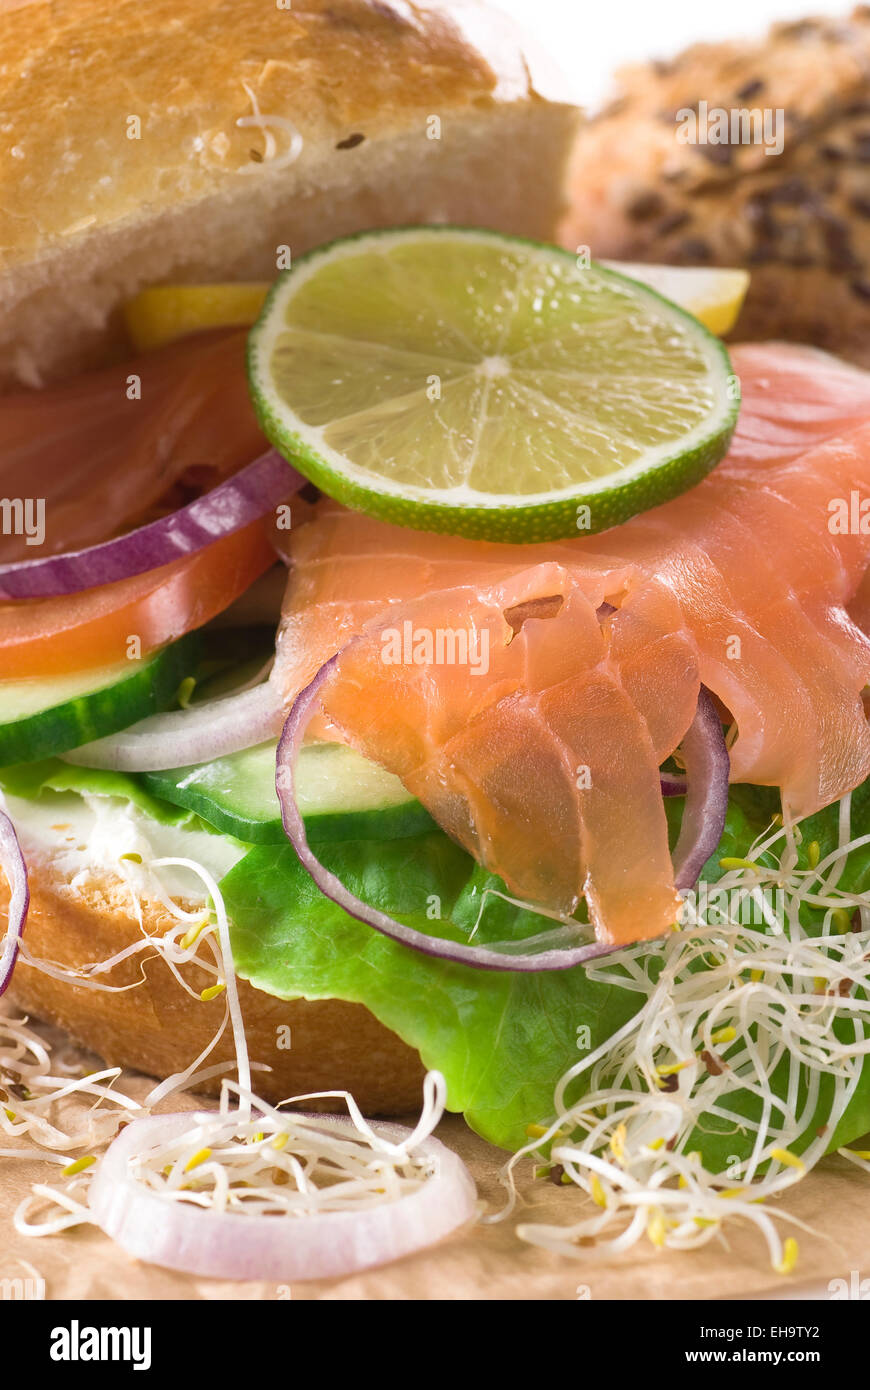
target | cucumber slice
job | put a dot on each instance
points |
(39, 718)
(342, 795)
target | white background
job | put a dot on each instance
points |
(589, 38)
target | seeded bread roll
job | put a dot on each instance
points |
(187, 140)
(799, 219)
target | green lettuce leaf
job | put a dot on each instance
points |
(30, 780)
(501, 1039)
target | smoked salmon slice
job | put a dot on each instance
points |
(527, 763)
(792, 397)
(742, 584)
(102, 451)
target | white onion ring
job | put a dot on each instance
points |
(234, 1246)
(15, 869)
(195, 735)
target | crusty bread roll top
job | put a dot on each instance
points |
(187, 140)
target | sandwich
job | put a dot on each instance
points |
(405, 119)
(429, 658)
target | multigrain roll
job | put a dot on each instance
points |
(791, 203)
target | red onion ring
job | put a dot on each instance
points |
(673, 783)
(703, 819)
(228, 1245)
(227, 508)
(195, 735)
(706, 787)
(15, 869)
(507, 955)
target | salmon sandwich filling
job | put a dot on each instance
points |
(581, 823)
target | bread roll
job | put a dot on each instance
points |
(156, 1027)
(799, 219)
(188, 140)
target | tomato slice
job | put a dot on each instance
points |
(42, 637)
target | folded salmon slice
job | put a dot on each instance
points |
(792, 398)
(741, 584)
(762, 586)
(529, 762)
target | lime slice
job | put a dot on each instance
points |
(457, 380)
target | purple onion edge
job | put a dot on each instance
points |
(708, 768)
(481, 957)
(703, 819)
(234, 503)
(673, 783)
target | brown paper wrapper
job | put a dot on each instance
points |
(485, 1260)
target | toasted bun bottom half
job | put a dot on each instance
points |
(157, 1028)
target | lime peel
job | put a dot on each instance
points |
(457, 380)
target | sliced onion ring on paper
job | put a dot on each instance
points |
(13, 866)
(236, 1245)
(198, 734)
(557, 949)
(233, 504)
